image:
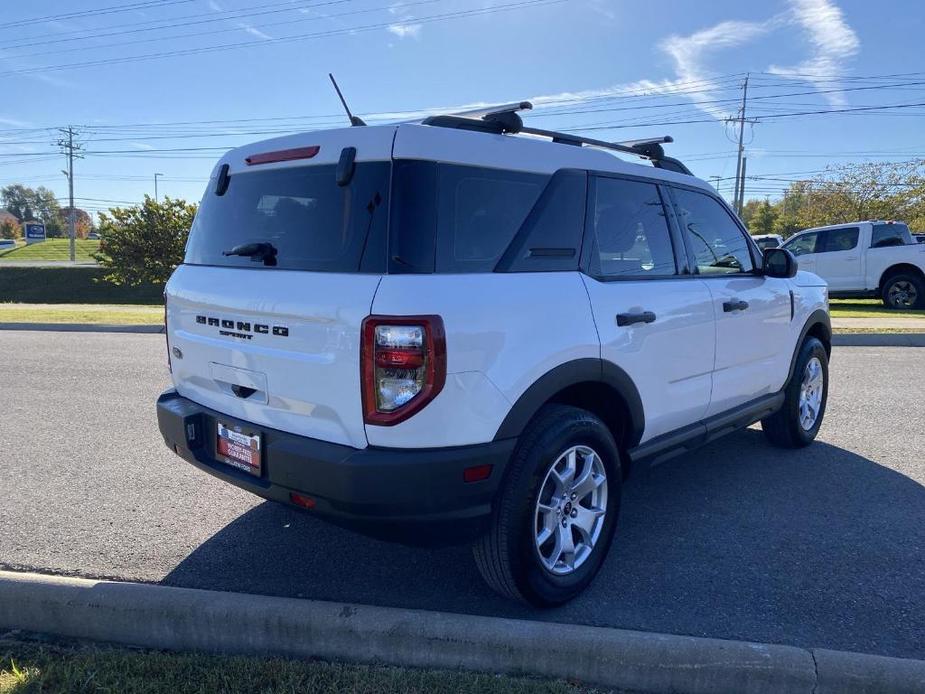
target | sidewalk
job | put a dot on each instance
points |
(911, 323)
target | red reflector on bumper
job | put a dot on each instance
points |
(477, 473)
(303, 501)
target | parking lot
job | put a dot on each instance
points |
(821, 547)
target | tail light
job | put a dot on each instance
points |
(166, 336)
(403, 366)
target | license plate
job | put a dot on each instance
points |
(240, 450)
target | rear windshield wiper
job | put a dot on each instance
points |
(263, 251)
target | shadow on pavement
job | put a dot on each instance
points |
(817, 547)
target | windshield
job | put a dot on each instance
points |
(310, 221)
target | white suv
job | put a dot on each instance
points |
(450, 332)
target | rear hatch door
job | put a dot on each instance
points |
(273, 336)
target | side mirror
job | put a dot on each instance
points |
(779, 262)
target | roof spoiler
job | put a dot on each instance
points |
(505, 119)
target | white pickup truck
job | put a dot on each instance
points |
(865, 259)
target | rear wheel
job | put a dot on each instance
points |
(797, 422)
(557, 511)
(903, 291)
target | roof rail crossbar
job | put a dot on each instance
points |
(506, 119)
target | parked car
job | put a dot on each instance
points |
(920, 238)
(93, 236)
(7, 244)
(768, 240)
(872, 259)
(445, 332)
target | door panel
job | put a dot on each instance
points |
(670, 359)
(655, 324)
(752, 343)
(752, 312)
(805, 247)
(840, 262)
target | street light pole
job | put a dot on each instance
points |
(155, 185)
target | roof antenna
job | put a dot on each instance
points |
(354, 120)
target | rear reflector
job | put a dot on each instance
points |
(477, 473)
(304, 501)
(283, 155)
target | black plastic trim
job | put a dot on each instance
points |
(695, 435)
(817, 317)
(414, 496)
(572, 373)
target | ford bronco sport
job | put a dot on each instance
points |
(468, 330)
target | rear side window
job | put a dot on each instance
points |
(840, 239)
(478, 213)
(885, 235)
(313, 223)
(631, 234)
(718, 245)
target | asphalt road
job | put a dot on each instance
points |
(820, 547)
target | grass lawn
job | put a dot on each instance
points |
(119, 314)
(866, 308)
(69, 285)
(27, 666)
(51, 249)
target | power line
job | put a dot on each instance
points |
(145, 4)
(494, 9)
(209, 19)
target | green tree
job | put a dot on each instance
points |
(144, 243)
(33, 203)
(748, 212)
(9, 229)
(763, 219)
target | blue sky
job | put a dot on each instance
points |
(614, 67)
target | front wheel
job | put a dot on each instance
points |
(798, 420)
(556, 513)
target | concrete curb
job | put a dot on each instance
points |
(188, 619)
(83, 328)
(878, 339)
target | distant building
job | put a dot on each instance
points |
(8, 217)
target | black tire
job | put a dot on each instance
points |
(783, 428)
(506, 555)
(903, 291)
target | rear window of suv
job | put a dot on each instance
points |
(313, 223)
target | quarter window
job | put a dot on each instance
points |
(719, 246)
(631, 234)
(890, 235)
(478, 213)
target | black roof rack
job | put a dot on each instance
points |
(506, 119)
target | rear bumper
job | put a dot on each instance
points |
(415, 496)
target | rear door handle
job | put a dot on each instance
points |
(737, 305)
(624, 319)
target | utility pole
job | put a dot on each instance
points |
(155, 185)
(739, 187)
(742, 188)
(69, 148)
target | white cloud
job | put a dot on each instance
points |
(688, 53)
(141, 145)
(830, 37)
(406, 30)
(14, 122)
(833, 43)
(254, 31)
(215, 7)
